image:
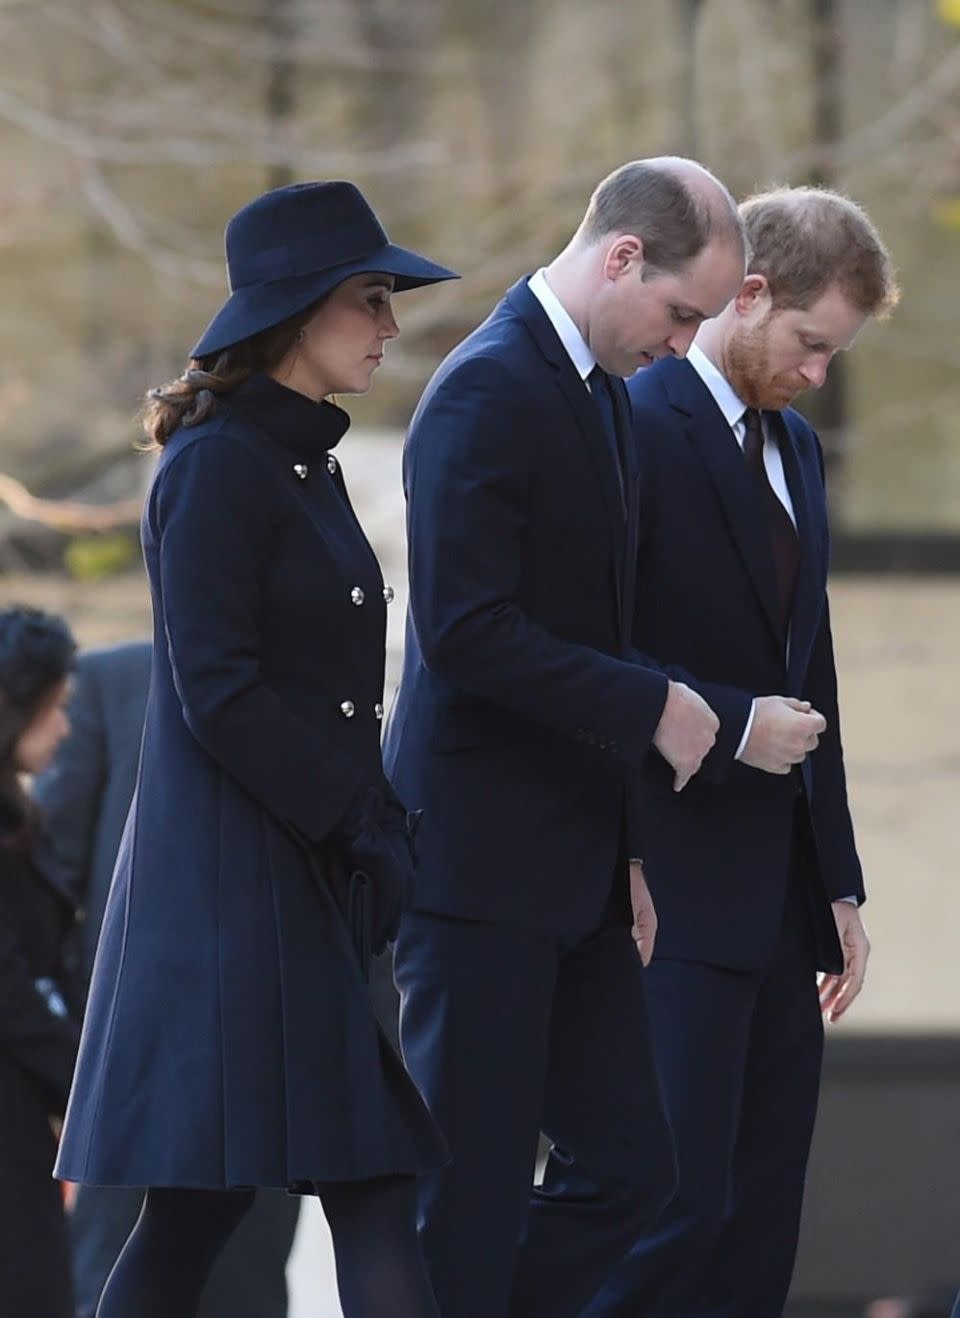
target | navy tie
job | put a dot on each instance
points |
(602, 396)
(783, 533)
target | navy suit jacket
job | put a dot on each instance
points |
(717, 854)
(85, 795)
(519, 709)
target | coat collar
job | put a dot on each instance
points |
(287, 416)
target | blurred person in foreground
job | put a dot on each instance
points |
(754, 869)
(84, 797)
(229, 1041)
(519, 715)
(39, 974)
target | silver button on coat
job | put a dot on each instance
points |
(331, 463)
(389, 594)
(347, 709)
(378, 710)
(357, 596)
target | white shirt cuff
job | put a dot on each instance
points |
(747, 730)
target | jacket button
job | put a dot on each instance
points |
(389, 594)
(300, 468)
(347, 709)
(331, 464)
(378, 710)
(357, 596)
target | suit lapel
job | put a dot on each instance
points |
(586, 417)
(631, 493)
(722, 456)
(806, 495)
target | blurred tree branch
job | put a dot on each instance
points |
(66, 514)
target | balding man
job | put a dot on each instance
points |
(519, 718)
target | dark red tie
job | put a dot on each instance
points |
(783, 533)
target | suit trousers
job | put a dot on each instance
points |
(509, 1032)
(248, 1279)
(739, 1055)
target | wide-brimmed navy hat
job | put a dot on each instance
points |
(289, 247)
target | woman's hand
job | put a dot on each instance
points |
(377, 840)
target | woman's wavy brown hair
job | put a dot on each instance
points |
(192, 397)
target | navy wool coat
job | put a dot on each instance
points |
(229, 1038)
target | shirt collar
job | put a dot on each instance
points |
(573, 341)
(723, 393)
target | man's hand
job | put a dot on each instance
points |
(837, 992)
(644, 915)
(783, 734)
(686, 732)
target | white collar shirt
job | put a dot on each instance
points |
(575, 346)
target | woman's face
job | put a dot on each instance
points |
(41, 738)
(343, 342)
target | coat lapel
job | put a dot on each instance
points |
(631, 491)
(586, 417)
(806, 495)
(720, 453)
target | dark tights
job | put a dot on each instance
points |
(164, 1265)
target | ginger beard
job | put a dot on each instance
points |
(749, 367)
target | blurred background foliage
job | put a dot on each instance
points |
(131, 129)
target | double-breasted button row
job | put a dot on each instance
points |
(602, 743)
(348, 709)
(357, 595)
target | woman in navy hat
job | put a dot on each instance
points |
(229, 1041)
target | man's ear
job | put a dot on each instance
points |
(754, 295)
(625, 253)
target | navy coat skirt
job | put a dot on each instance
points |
(229, 1039)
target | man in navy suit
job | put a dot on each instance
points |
(519, 715)
(753, 869)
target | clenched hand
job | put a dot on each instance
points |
(686, 732)
(783, 734)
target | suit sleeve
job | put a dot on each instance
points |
(731, 706)
(471, 473)
(214, 516)
(42, 1041)
(830, 809)
(69, 793)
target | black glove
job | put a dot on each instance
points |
(375, 837)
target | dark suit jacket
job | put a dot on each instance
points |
(86, 793)
(518, 711)
(717, 854)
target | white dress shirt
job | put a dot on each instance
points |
(573, 341)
